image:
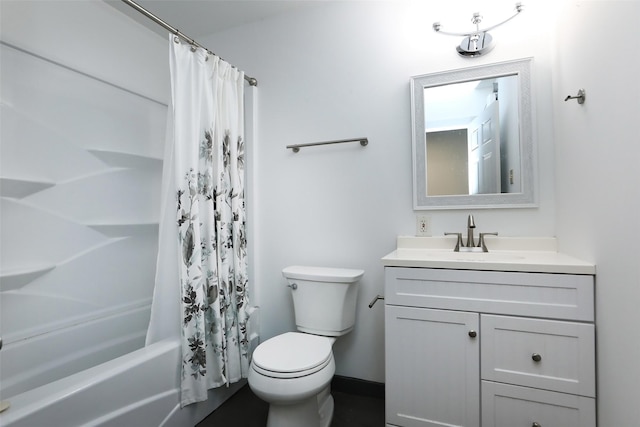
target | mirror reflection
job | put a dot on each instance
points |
(473, 137)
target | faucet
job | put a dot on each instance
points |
(471, 225)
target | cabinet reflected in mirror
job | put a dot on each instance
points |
(472, 137)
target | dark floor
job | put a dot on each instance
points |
(244, 409)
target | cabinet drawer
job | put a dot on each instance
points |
(558, 296)
(545, 354)
(506, 405)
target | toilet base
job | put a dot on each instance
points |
(316, 411)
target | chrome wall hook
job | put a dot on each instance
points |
(580, 96)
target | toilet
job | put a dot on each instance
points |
(293, 371)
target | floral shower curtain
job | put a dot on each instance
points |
(203, 233)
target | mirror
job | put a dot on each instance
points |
(472, 138)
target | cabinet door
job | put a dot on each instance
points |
(505, 405)
(432, 367)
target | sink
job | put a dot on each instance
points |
(474, 256)
(439, 255)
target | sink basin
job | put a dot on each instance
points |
(474, 256)
(451, 256)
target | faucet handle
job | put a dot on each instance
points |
(481, 243)
(458, 242)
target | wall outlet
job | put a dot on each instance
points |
(423, 225)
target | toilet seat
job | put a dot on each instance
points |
(292, 355)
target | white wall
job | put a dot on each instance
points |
(598, 183)
(342, 70)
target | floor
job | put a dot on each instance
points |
(244, 409)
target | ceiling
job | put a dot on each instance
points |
(197, 18)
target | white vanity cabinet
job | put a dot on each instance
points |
(489, 348)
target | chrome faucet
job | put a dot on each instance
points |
(471, 225)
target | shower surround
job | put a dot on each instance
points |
(81, 163)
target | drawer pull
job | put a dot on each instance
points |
(473, 333)
(536, 424)
(536, 358)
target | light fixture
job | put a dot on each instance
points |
(478, 42)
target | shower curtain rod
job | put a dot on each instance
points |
(252, 81)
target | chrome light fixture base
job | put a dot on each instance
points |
(475, 45)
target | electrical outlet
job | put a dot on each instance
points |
(423, 226)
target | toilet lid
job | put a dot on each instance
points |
(293, 352)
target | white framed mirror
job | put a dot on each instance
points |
(473, 137)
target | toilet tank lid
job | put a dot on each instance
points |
(322, 274)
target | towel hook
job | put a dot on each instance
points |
(580, 96)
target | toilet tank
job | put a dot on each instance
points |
(324, 299)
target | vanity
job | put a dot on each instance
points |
(504, 338)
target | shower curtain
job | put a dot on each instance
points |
(201, 278)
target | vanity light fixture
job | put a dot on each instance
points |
(478, 42)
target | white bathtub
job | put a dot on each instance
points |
(139, 389)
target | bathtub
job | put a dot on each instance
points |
(139, 389)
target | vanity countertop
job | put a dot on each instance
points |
(538, 255)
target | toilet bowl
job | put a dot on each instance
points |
(293, 371)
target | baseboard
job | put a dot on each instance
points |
(357, 386)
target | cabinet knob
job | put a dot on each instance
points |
(535, 424)
(536, 358)
(473, 333)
